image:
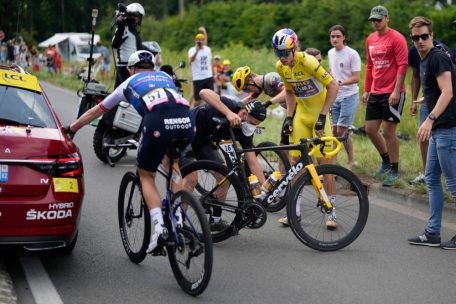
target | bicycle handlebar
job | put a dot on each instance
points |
(316, 141)
(319, 140)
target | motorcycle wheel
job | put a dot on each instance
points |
(105, 134)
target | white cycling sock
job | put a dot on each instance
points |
(157, 218)
(216, 218)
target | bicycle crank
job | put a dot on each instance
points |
(254, 215)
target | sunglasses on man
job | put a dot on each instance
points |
(282, 53)
(417, 38)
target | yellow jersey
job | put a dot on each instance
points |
(308, 80)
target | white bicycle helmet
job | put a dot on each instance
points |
(142, 58)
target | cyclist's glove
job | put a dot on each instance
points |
(287, 126)
(320, 125)
(69, 132)
(267, 103)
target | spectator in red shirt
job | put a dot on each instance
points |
(384, 91)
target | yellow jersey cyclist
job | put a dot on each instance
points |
(310, 90)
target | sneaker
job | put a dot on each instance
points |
(390, 179)
(418, 180)
(156, 238)
(284, 220)
(450, 245)
(219, 226)
(425, 240)
(385, 168)
(331, 221)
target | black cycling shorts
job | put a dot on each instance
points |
(198, 85)
(166, 122)
(379, 109)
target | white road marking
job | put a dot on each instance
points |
(40, 284)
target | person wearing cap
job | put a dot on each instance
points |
(200, 58)
(384, 91)
(242, 117)
(166, 116)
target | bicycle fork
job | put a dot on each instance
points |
(327, 206)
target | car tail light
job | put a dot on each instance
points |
(68, 165)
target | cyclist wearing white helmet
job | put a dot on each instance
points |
(126, 38)
(310, 90)
(166, 116)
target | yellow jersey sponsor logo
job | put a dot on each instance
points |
(19, 80)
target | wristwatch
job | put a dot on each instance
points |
(340, 82)
(432, 116)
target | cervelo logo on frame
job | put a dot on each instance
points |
(291, 173)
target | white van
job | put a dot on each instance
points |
(73, 46)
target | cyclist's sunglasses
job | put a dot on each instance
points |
(423, 37)
(282, 53)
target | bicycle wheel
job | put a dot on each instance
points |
(351, 208)
(134, 219)
(272, 161)
(203, 175)
(191, 254)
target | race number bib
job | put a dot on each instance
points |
(159, 96)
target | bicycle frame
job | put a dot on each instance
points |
(235, 154)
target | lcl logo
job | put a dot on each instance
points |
(13, 77)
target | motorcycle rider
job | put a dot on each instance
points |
(166, 116)
(126, 37)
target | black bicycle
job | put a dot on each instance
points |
(188, 243)
(308, 203)
(269, 160)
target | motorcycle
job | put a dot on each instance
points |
(118, 130)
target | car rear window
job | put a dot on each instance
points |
(23, 107)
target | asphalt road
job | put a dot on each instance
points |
(268, 265)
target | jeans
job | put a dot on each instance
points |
(441, 158)
(343, 110)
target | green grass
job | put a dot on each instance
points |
(262, 61)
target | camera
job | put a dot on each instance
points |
(199, 43)
(121, 9)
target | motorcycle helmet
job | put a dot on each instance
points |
(136, 9)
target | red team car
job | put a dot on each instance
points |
(41, 173)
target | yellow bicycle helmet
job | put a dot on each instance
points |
(239, 77)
